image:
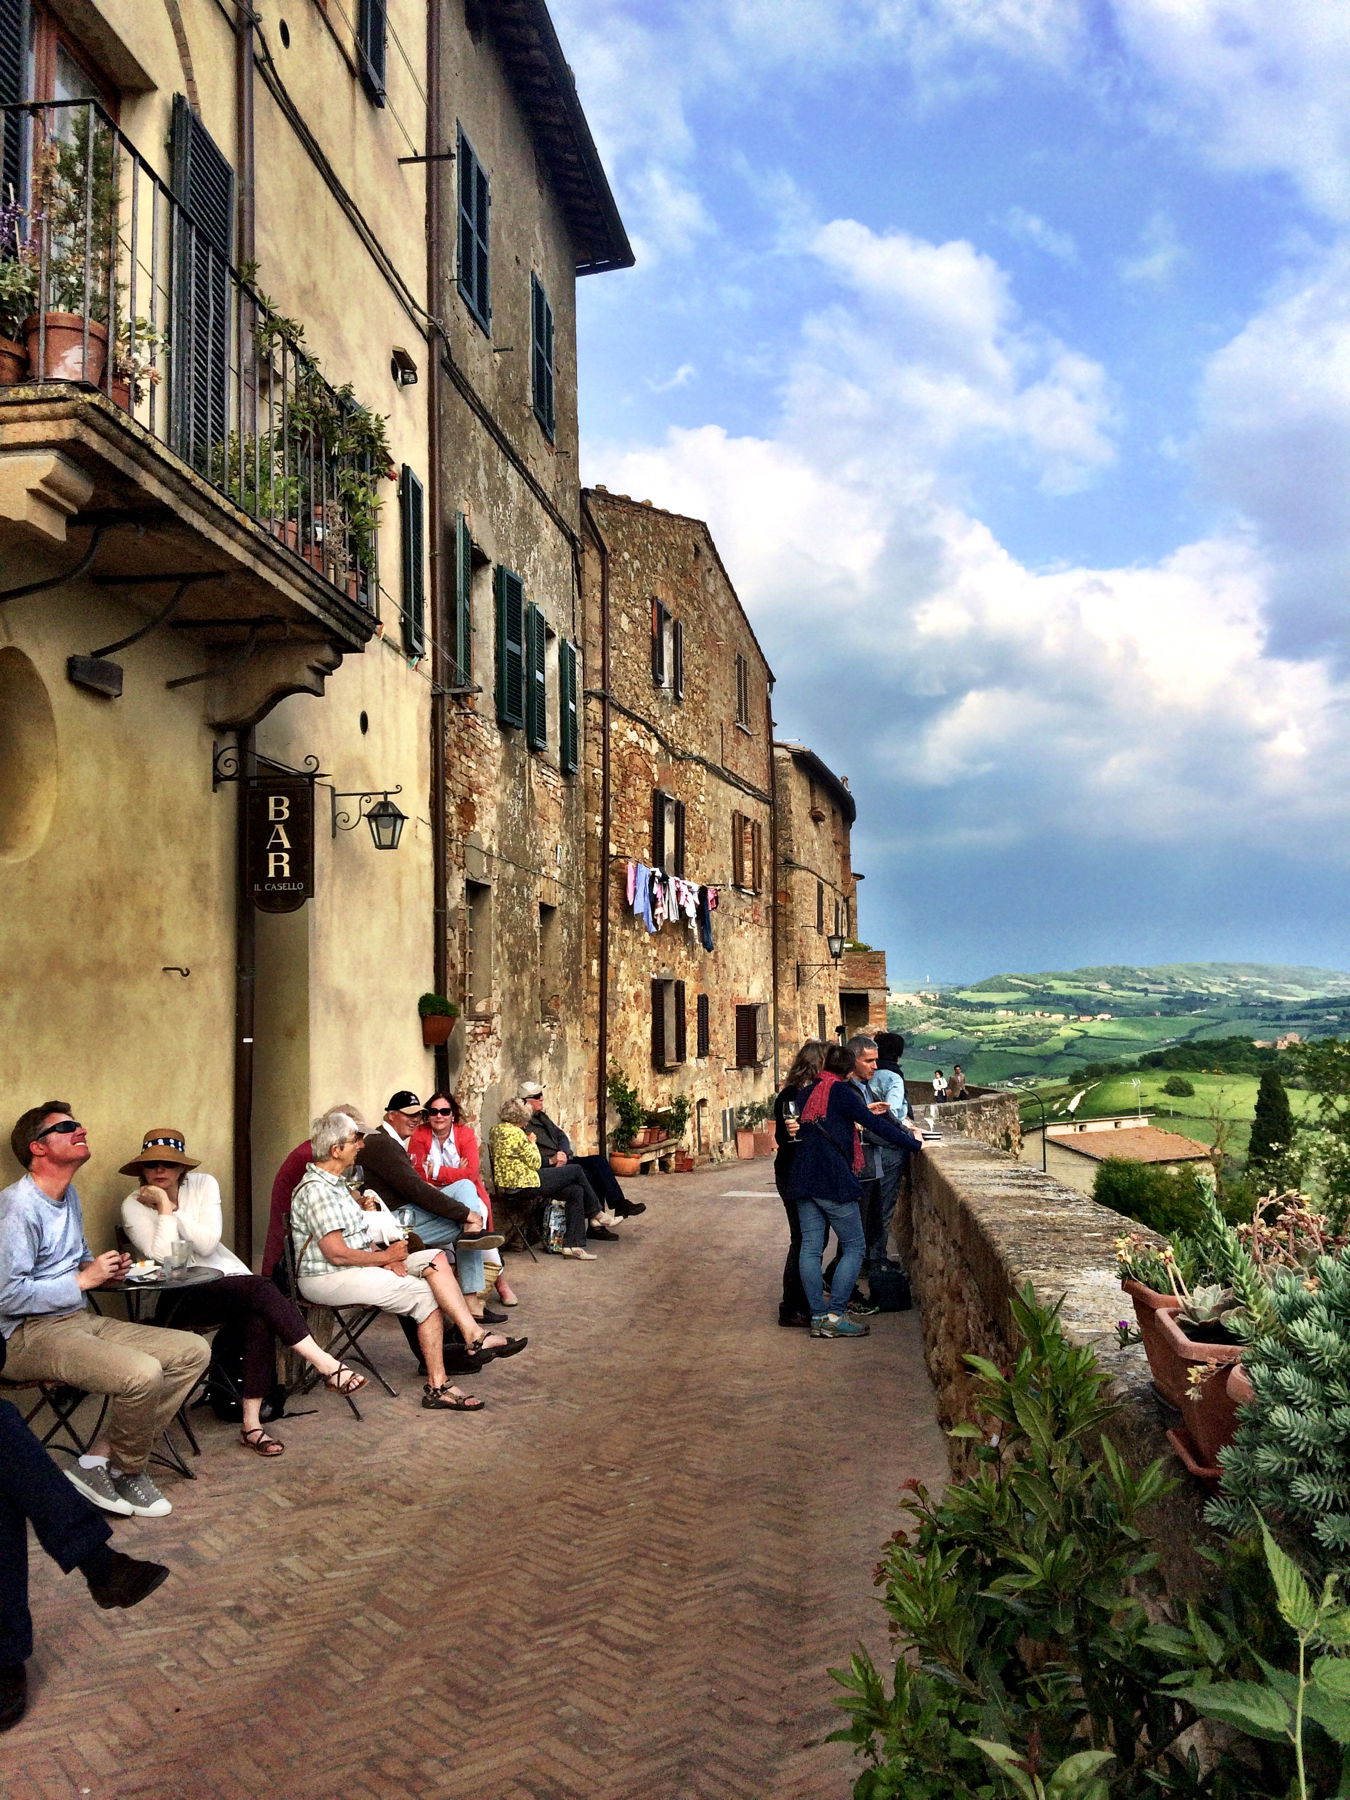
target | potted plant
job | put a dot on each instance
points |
(74, 207)
(438, 1016)
(623, 1097)
(18, 292)
(750, 1135)
(137, 354)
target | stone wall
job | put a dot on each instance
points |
(815, 894)
(990, 1115)
(979, 1226)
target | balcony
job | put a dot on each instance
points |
(155, 406)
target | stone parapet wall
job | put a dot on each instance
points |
(989, 1116)
(979, 1226)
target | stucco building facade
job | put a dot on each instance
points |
(679, 776)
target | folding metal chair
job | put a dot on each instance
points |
(63, 1402)
(350, 1323)
(515, 1211)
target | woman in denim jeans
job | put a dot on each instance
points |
(825, 1182)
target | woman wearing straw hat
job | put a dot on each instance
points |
(177, 1204)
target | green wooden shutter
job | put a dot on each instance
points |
(372, 36)
(541, 359)
(463, 646)
(199, 329)
(475, 206)
(510, 593)
(536, 679)
(681, 1040)
(13, 48)
(659, 1024)
(569, 727)
(412, 516)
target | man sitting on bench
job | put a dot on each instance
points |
(555, 1150)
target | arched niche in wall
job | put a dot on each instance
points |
(28, 770)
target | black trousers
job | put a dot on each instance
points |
(579, 1200)
(793, 1304)
(255, 1306)
(67, 1527)
(602, 1178)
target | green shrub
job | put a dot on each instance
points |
(1166, 1200)
(1179, 1087)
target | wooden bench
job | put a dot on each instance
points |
(660, 1155)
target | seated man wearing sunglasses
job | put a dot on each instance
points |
(46, 1268)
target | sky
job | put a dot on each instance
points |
(1005, 347)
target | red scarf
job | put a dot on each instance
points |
(817, 1104)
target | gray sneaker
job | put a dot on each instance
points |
(141, 1495)
(96, 1485)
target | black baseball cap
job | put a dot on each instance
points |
(404, 1101)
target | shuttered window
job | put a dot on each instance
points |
(669, 1041)
(752, 1036)
(677, 653)
(742, 692)
(668, 816)
(541, 358)
(13, 46)
(510, 596)
(820, 906)
(372, 43)
(536, 679)
(475, 205)
(413, 598)
(660, 624)
(199, 335)
(747, 853)
(463, 612)
(703, 1027)
(569, 715)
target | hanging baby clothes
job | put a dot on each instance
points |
(659, 905)
(642, 895)
(632, 882)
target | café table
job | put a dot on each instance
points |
(135, 1295)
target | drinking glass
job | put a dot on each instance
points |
(178, 1254)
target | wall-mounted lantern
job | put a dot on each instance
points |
(378, 810)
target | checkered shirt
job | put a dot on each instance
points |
(320, 1204)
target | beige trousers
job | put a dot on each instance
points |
(148, 1371)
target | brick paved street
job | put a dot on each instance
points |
(623, 1581)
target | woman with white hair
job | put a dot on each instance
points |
(339, 1262)
(177, 1203)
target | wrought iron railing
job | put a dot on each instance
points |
(107, 280)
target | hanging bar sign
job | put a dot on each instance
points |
(279, 842)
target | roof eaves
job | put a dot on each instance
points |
(822, 772)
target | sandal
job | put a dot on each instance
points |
(261, 1443)
(343, 1380)
(449, 1399)
(510, 1297)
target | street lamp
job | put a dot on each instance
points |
(834, 943)
(1031, 1094)
(378, 810)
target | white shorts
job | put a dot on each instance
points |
(407, 1294)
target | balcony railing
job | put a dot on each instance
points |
(109, 281)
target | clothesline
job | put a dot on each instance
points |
(657, 898)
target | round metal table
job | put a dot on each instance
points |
(137, 1293)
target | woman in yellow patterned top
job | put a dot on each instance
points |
(515, 1164)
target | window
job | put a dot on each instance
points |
(475, 204)
(820, 1023)
(536, 679)
(661, 644)
(412, 522)
(462, 645)
(372, 35)
(477, 947)
(700, 1126)
(667, 832)
(569, 716)
(550, 975)
(702, 1027)
(747, 853)
(541, 356)
(677, 659)
(510, 598)
(752, 1036)
(199, 334)
(668, 1027)
(742, 692)
(820, 906)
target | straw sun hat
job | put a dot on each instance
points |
(162, 1144)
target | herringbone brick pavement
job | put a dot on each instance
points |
(622, 1581)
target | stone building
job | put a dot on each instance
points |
(288, 534)
(816, 901)
(679, 777)
(521, 211)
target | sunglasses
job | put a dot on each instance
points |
(440, 1112)
(67, 1128)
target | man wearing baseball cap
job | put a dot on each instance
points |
(555, 1148)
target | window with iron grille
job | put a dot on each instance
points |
(510, 597)
(372, 44)
(199, 336)
(668, 1024)
(541, 357)
(752, 1024)
(462, 646)
(569, 714)
(536, 679)
(412, 523)
(475, 206)
(702, 1027)
(667, 832)
(742, 691)
(477, 946)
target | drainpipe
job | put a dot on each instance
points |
(773, 880)
(245, 986)
(440, 873)
(243, 100)
(602, 1036)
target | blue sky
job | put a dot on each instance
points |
(1005, 346)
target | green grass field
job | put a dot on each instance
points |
(1219, 1101)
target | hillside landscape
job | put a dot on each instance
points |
(1046, 1026)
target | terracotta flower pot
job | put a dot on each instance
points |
(684, 1165)
(120, 393)
(1210, 1422)
(13, 363)
(745, 1145)
(288, 530)
(622, 1164)
(436, 1028)
(765, 1143)
(63, 357)
(1170, 1352)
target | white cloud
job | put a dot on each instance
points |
(1030, 228)
(685, 373)
(1158, 255)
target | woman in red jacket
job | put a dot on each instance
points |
(444, 1150)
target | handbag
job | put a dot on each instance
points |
(555, 1224)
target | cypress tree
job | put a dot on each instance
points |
(1272, 1125)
